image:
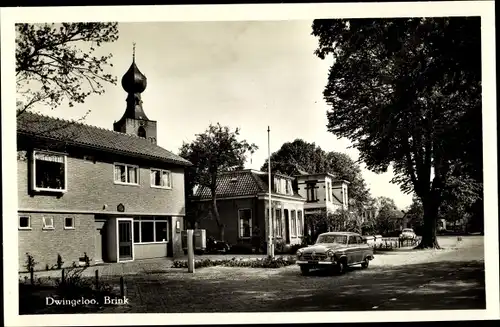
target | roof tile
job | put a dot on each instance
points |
(32, 124)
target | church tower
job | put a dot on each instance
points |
(134, 120)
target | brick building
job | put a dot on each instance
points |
(114, 195)
(243, 204)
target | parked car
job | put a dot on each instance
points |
(335, 251)
(408, 234)
(369, 239)
(215, 246)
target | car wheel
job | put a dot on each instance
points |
(341, 267)
(304, 270)
(365, 263)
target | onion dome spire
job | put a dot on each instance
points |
(134, 83)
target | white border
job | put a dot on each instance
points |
(9, 16)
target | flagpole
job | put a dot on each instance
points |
(270, 247)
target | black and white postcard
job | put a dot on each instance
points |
(249, 163)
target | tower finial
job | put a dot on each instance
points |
(133, 52)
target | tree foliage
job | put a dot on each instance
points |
(216, 150)
(388, 213)
(52, 66)
(407, 93)
(299, 155)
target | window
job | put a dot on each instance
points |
(352, 240)
(24, 222)
(300, 222)
(245, 218)
(141, 132)
(69, 223)
(312, 192)
(48, 223)
(126, 174)
(150, 230)
(294, 223)
(279, 223)
(147, 231)
(289, 190)
(137, 231)
(49, 171)
(161, 178)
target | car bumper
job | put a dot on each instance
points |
(313, 263)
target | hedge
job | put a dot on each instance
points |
(276, 262)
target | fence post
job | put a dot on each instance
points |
(122, 287)
(97, 279)
(32, 276)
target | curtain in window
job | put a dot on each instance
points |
(166, 179)
(132, 175)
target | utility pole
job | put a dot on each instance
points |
(270, 245)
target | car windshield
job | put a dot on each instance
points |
(341, 239)
(407, 230)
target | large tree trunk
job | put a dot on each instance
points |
(429, 238)
(215, 214)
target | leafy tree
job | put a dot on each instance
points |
(415, 215)
(50, 65)
(387, 215)
(299, 155)
(407, 93)
(215, 150)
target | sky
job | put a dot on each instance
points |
(245, 74)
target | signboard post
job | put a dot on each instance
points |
(190, 248)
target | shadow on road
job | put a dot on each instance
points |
(432, 286)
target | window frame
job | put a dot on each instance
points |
(300, 223)
(19, 222)
(161, 175)
(126, 174)
(293, 223)
(279, 222)
(311, 189)
(153, 220)
(44, 224)
(72, 223)
(240, 234)
(33, 175)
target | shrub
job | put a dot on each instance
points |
(30, 262)
(75, 286)
(60, 262)
(241, 248)
(294, 248)
(86, 259)
(276, 262)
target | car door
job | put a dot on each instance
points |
(352, 249)
(362, 249)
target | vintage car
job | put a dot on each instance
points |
(335, 251)
(408, 234)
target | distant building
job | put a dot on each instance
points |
(243, 205)
(113, 195)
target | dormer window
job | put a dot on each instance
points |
(141, 132)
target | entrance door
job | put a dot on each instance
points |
(99, 234)
(125, 240)
(287, 228)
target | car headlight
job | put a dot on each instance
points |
(299, 252)
(330, 253)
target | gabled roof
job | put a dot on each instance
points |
(245, 182)
(50, 128)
